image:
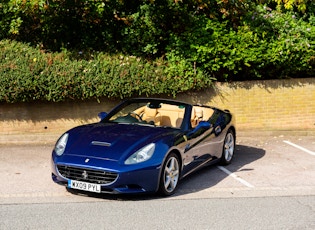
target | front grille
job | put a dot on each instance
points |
(87, 175)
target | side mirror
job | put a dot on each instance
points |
(102, 115)
(217, 130)
(203, 125)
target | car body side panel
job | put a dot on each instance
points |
(206, 146)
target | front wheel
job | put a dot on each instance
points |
(170, 175)
(228, 148)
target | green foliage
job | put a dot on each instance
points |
(121, 48)
(28, 74)
(290, 4)
(291, 41)
(268, 45)
(56, 24)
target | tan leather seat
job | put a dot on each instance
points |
(200, 113)
(196, 116)
(149, 115)
(165, 115)
(170, 115)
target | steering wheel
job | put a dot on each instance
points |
(136, 115)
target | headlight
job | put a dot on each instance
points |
(141, 155)
(61, 144)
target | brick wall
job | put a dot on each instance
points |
(266, 105)
(258, 105)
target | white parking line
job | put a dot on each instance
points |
(299, 147)
(244, 182)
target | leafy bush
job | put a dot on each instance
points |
(268, 45)
(289, 50)
(28, 74)
(119, 48)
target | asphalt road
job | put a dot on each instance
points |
(269, 185)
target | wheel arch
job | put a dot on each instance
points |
(232, 128)
(177, 152)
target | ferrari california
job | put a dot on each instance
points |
(143, 145)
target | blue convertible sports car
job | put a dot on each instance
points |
(143, 145)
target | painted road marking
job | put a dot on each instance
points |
(299, 147)
(244, 182)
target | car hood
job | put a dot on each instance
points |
(112, 141)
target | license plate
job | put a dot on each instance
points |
(84, 186)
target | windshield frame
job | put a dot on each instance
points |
(186, 108)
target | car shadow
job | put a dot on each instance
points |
(211, 175)
(202, 179)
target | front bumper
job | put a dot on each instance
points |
(140, 178)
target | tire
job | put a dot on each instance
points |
(228, 148)
(170, 175)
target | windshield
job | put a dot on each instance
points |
(155, 113)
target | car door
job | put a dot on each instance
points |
(213, 143)
(195, 149)
(205, 143)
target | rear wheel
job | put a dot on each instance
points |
(170, 175)
(228, 148)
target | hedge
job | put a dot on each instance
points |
(29, 74)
